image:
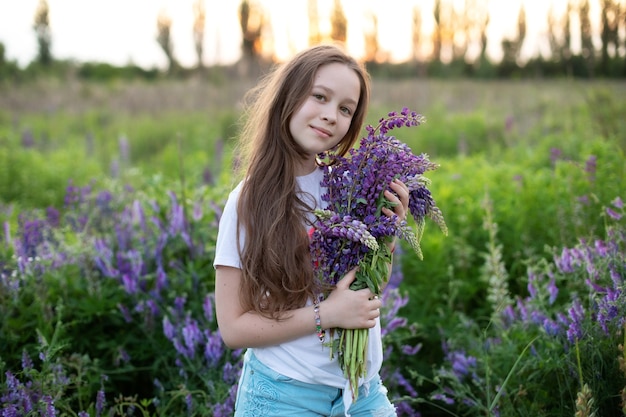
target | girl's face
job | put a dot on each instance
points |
(325, 116)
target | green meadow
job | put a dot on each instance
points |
(110, 196)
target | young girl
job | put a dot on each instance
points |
(266, 294)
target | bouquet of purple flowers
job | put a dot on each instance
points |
(353, 232)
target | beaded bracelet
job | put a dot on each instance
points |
(321, 333)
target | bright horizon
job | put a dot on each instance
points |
(81, 30)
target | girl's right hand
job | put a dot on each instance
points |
(349, 309)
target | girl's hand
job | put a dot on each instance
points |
(349, 309)
(400, 199)
(401, 208)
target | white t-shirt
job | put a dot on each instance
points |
(303, 359)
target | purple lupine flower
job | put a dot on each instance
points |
(226, 408)
(161, 279)
(230, 373)
(27, 362)
(354, 188)
(551, 327)
(352, 230)
(508, 315)
(32, 236)
(130, 284)
(590, 167)
(168, 328)
(462, 364)
(179, 304)
(393, 324)
(613, 214)
(52, 216)
(191, 335)
(523, 311)
(402, 381)
(189, 403)
(153, 307)
(125, 313)
(213, 348)
(532, 290)
(10, 410)
(445, 398)
(100, 402)
(28, 139)
(123, 355)
(555, 155)
(608, 308)
(553, 291)
(50, 410)
(207, 307)
(411, 350)
(576, 314)
(60, 376)
(83, 414)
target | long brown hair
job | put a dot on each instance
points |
(275, 258)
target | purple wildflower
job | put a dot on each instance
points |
(213, 348)
(555, 155)
(100, 402)
(354, 192)
(576, 314)
(189, 403)
(207, 307)
(50, 410)
(352, 231)
(27, 362)
(168, 328)
(590, 167)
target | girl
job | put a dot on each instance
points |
(264, 284)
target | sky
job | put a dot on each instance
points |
(124, 31)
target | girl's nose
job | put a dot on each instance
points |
(328, 116)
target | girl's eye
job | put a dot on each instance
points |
(319, 97)
(346, 110)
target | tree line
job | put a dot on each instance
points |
(455, 47)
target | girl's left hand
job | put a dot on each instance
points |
(400, 198)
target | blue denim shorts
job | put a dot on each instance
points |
(266, 393)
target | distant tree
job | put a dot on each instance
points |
(252, 21)
(315, 37)
(470, 25)
(513, 47)
(339, 23)
(437, 32)
(460, 26)
(609, 33)
(586, 41)
(469, 19)
(623, 20)
(446, 24)
(416, 32)
(482, 24)
(199, 14)
(566, 51)
(44, 35)
(521, 29)
(372, 46)
(164, 26)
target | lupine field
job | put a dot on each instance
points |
(110, 197)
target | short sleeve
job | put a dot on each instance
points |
(226, 250)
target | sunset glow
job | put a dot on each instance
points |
(119, 31)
